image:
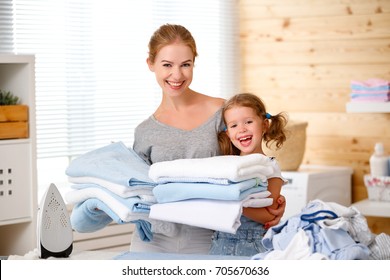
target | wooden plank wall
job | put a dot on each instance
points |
(300, 57)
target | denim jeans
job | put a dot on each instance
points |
(246, 242)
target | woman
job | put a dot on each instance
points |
(185, 125)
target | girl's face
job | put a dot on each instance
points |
(245, 129)
(173, 68)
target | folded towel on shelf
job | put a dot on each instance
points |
(373, 97)
(114, 163)
(171, 192)
(232, 168)
(368, 88)
(373, 84)
(370, 92)
(370, 99)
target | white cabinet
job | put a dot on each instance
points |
(18, 182)
(310, 182)
(13, 179)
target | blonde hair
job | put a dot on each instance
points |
(168, 34)
(275, 132)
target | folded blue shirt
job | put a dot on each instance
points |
(114, 163)
(171, 192)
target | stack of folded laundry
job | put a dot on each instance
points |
(371, 90)
(111, 184)
(210, 192)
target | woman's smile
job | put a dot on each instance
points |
(175, 85)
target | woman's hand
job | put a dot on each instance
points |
(277, 212)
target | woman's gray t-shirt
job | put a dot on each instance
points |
(155, 141)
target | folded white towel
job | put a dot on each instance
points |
(233, 168)
(204, 213)
(221, 215)
(123, 207)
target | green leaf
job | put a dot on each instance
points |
(7, 98)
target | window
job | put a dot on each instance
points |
(92, 82)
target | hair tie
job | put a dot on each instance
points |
(268, 115)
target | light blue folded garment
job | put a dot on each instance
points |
(92, 215)
(171, 192)
(86, 217)
(124, 208)
(372, 95)
(114, 163)
(135, 192)
(370, 88)
(144, 230)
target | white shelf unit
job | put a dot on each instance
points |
(373, 208)
(18, 179)
(370, 207)
(368, 107)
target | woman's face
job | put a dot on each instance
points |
(245, 129)
(173, 68)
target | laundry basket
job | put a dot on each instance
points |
(378, 187)
(291, 154)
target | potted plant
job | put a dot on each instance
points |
(7, 98)
(13, 116)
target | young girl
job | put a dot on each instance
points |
(247, 125)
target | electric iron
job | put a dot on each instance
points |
(55, 235)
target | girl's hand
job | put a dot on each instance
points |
(277, 212)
